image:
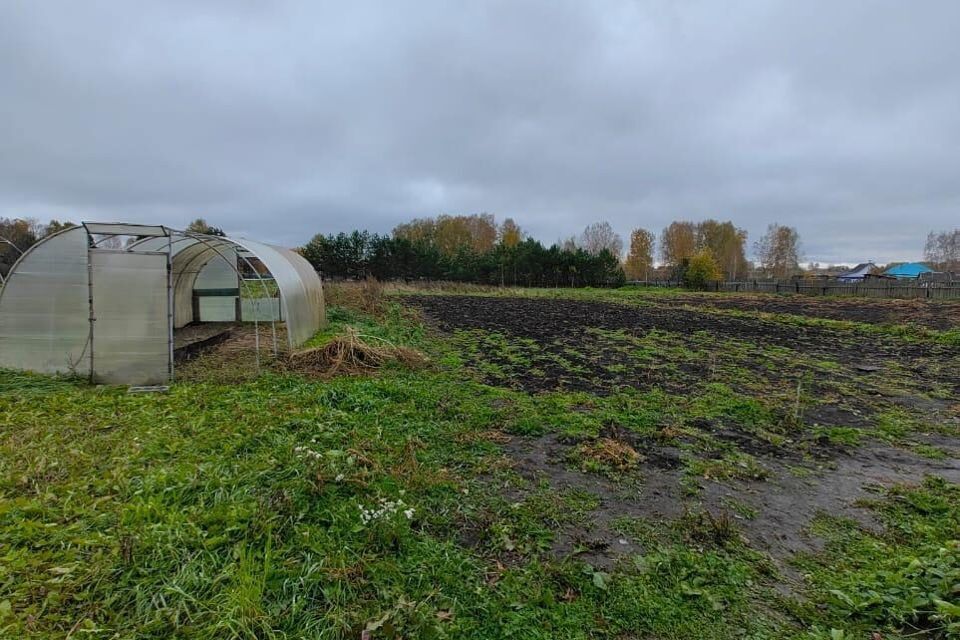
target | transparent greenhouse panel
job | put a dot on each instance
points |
(300, 290)
(219, 273)
(215, 278)
(219, 309)
(313, 286)
(125, 229)
(44, 309)
(260, 309)
(130, 332)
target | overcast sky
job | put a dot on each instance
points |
(280, 120)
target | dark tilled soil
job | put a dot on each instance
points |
(555, 325)
(933, 314)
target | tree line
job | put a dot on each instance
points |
(474, 248)
(469, 248)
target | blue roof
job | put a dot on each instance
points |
(908, 270)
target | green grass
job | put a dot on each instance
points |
(905, 580)
(840, 436)
(288, 508)
(196, 513)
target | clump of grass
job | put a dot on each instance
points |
(703, 526)
(929, 451)
(353, 353)
(669, 433)
(720, 402)
(839, 436)
(733, 465)
(741, 509)
(606, 454)
(951, 337)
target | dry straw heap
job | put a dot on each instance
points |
(353, 353)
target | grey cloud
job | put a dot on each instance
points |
(285, 119)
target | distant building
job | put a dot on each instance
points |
(908, 270)
(858, 273)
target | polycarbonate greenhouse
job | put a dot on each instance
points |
(106, 300)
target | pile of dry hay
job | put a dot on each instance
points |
(610, 453)
(352, 353)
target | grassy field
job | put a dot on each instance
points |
(585, 464)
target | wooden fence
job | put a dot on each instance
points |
(911, 289)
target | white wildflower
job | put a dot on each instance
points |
(384, 510)
(305, 452)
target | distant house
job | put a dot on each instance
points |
(908, 270)
(858, 273)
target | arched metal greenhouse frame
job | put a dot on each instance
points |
(77, 303)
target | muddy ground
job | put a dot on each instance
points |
(813, 382)
(780, 508)
(933, 314)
